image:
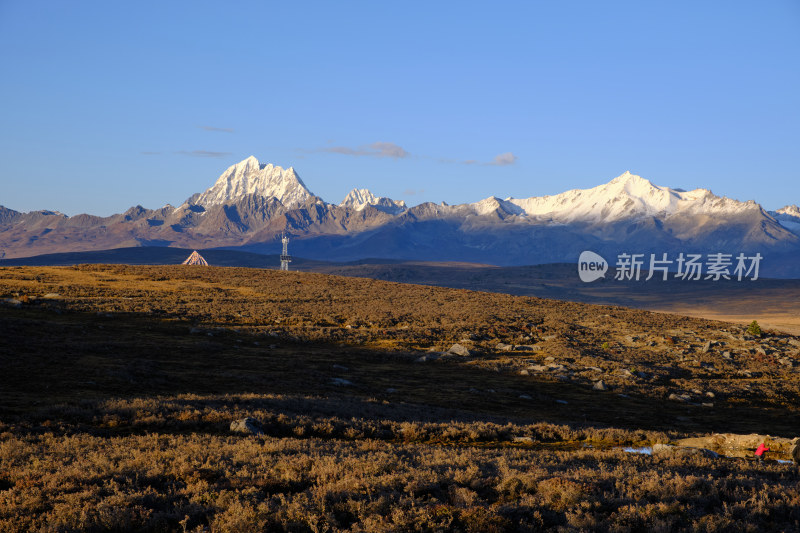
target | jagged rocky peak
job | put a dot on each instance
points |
(251, 177)
(791, 210)
(358, 199)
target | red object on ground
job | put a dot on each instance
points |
(761, 449)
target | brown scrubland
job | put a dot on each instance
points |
(381, 407)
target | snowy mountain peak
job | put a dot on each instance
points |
(633, 183)
(791, 210)
(251, 177)
(788, 217)
(628, 176)
(627, 196)
(358, 199)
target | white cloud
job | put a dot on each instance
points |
(506, 158)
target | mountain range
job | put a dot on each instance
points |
(251, 204)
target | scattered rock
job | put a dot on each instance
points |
(524, 372)
(526, 347)
(727, 355)
(391, 390)
(503, 347)
(340, 367)
(538, 368)
(426, 358)
(599, 385)
(662, 448)
(458, 349)
(247, 426)
(51, 296)
(679, 398)
(524, 440)
(562, 402)
(13, 302)
(524, 397)
(683, 451)
(706, 347)
(341, 382)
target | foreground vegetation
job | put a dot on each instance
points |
(119, 386)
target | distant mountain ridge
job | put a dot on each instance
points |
(251, 203)
(359, 199)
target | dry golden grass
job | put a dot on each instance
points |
(116, 396)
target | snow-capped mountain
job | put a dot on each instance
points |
(358, 199)
(251, 177)
(788, 217)
(626, 197)
(251, 204)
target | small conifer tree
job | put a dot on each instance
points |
(754, 329)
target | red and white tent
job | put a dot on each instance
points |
(195, 259)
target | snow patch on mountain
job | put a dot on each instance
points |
(358, 199)
(251, 177)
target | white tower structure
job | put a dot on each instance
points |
(285, 257)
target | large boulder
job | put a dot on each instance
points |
(794, 453)
(459, 349)
(247, 426)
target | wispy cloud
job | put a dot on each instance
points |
(203, 153)
(394, 151)
(376, 149)
(500, 160)
(214, 128)
(412, 192)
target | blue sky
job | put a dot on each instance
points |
(106, 105)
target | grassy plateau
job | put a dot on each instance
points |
(380, 406)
